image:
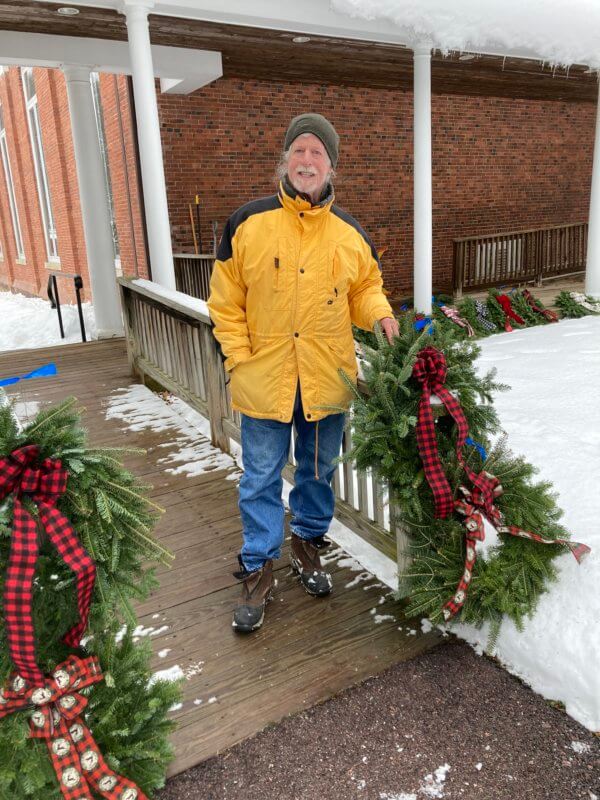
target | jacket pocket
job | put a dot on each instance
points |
(282, 274)
(344, 356)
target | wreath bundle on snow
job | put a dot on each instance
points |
(126, 711)
(575, 304)
(506, 578)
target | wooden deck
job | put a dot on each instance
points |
(308, 650)
(548, 291)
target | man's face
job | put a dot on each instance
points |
(308, 165)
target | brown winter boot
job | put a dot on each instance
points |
(257, 587)
(306, 561)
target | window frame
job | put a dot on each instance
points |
(10, 190)
(39, 163)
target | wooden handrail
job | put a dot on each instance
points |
(520, 231)
(518, 256)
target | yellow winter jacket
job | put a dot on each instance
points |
(289, 280)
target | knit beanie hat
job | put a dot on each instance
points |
(321, 127)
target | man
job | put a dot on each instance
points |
(293, 272)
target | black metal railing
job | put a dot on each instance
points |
(54, 298)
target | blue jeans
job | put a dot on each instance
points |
(265, 450)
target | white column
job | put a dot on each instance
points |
(148, 128)
(94, 202)
(592, 268)
(423, 247)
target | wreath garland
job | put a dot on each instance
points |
(50, 476)
(513, 574)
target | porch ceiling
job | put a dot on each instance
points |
(261, 53)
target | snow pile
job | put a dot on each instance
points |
(29, 322)
(556, 31)
(551, 417)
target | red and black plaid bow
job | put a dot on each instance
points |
(474, 507)
(550, 315)
(57, 708)
(504, 302)
(22, 474)
(430, 371)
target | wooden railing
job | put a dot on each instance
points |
(519, 257)
(169, 340)
(192, 274)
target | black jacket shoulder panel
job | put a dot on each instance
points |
(259, 206)
(349, 219)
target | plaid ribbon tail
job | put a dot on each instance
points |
(18, 594)
(550, 315)
(65, 540)
(21, 473)
(84, 767)
(475, 531)
(578, 549)
(57, 716)
(427, 447)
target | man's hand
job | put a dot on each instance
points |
(390, 327)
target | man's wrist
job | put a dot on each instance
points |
(235, 359)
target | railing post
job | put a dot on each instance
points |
(539, 257)
(458, 269)
(216, 395)
(131, 339)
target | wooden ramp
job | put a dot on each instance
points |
(234, 686)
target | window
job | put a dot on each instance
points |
(10, 189)
(104, 150)
(35, 136)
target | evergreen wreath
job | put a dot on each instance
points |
(113, 518)
(571, 308)
(516, 572)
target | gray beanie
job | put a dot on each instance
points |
(321, 127)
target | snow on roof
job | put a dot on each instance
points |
(561, 32)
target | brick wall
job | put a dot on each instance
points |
(31, 276)
(498, 164)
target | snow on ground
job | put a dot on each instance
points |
(28, 322)
(559, 31)
(432, 786)
(552, 416)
